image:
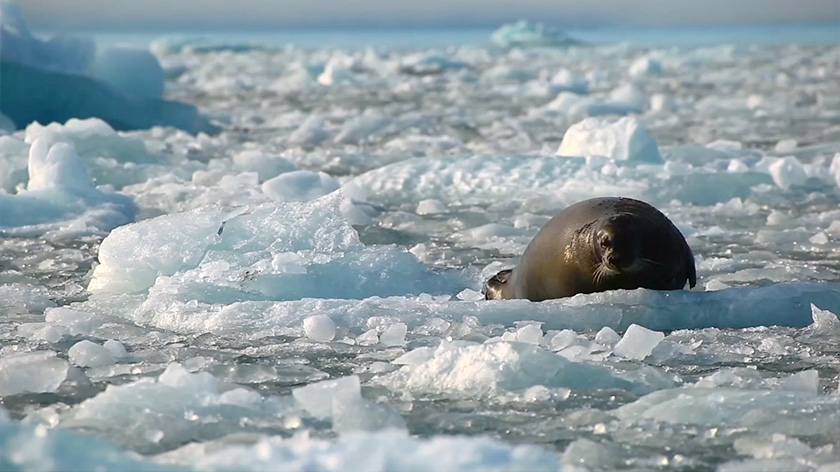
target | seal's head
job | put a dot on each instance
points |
(494, 287)
(616, 245)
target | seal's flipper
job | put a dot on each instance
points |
(493, 286)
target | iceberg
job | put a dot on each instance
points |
(60, 79)
(60, 199)
(525, 34)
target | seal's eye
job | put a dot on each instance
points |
(606, 241)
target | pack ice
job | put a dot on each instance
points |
(301, 291)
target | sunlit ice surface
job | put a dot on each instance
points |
(302, 290)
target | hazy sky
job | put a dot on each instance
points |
(238, 14)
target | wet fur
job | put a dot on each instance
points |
(564, 258)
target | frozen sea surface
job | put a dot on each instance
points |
(301, 291)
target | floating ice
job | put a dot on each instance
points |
(31, 372)
(660, 102)
(284, 251)
(394, 335)
(765, 410)
(645, 66)
(60, 197)
(266, 166)
(311, 132)
(184, 406)
(23, 297)
(524, 34)
(485, 369)
(565, 80)
(299, 185)
(30, 447)
(374, 452)
(89, 354)
(824, 320)
(44, 81)
(628, 96)
(625, 139)
(835, 168)
(788, 172)
(319, 328)
(637, 342)
(430, 206)
(134, 71)
(320, 398)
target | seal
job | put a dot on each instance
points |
(598, 245)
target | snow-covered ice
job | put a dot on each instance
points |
(302, 290)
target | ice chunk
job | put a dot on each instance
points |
(565, 80)
(590, 454)
(319, 328)
(273, 251)
(524, 34)
(311, 132)
(56, 166)
(660, 102)
(31, 372)
(133, 256)
(299, 185)
(607, 336)
(430, 206)
(338, 70)
(89, 354)
(380, 451)
(806, 381)
(265, 165)
(30, 94)
(394, 335)
(186, 406)
(771, 411)
(824, 320)
(361, 128)
(625, 139)
(23, 296)
(76, 322)
(785, 145)
(60, 197)
(628, 96)
(135, 71)
(319, 398)
(482, 370)
(645, 66)
(30, 447)
(116, 349)
(834, 168)
(788, 172)
(357, 414)
(819, 238)
(531, 334)
(637, 342)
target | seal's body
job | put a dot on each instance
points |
(597, 245)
